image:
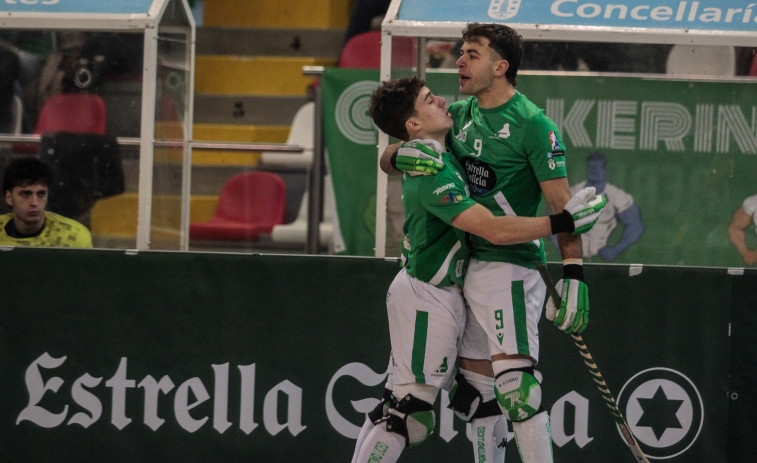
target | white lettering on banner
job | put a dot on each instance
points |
(152, 390)
(580, 426)
(192, 393)
(87, 400)
(119, 384)
(221, 402)
(294, 409)
(189, 394)
(663, 122)
(609, 134)
(365, 375)
(685, 11)
(37, 388)
(654, 125)
(247, 408)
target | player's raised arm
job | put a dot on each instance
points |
(579, 216)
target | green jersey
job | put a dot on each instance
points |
(437, 251)
(505, 152)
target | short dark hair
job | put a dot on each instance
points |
(393, 103)
(26, 170)
(502, 39)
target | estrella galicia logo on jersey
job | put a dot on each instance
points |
(503, 9)
(664, 410)
(554, 142)
(481, 177)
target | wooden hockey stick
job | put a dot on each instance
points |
(609, 399)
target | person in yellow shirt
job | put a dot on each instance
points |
(25, 187)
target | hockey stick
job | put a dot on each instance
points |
(620, 420)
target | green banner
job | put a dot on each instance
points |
(351, 139)
(158, 356)
(678, 156)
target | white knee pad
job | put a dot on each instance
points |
(534, 438)
(412, 418)
(518, 394)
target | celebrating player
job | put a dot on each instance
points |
(428, 323)
(513, 155)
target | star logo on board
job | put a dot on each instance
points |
(659, 413)
(664, 410)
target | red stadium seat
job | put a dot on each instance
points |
(68, 112)
(249, 205)
(363, 51)
(72, 112)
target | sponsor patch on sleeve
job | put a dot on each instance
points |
(451, 198)
(554, 142)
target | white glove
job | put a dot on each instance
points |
(573, 314)
(585, 207)
(420, 157)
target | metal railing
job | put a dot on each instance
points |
(210, 145)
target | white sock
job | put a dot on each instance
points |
(534, 439)
(489, 439)
(364, 431)
(381, 446)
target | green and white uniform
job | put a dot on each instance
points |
(425, 305)
(506, 152)
(427, 320)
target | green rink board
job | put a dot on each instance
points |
(195, 357)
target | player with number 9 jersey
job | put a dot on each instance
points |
(505, 152)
